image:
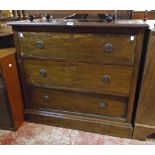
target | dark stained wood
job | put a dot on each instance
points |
(20, 69)
(59, 23)
(142, 131)
(145, 118)
(139, 49)
(80, 46)
(79, 76)
(77, 102)
(75, 81)
(10, 75)
(85, 30)
(80, 123)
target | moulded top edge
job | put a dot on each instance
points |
(82, 23)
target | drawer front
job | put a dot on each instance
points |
(77, 102)
(89, 47)
(88, 77)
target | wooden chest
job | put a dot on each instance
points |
(80, 75)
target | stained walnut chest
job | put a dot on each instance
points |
(80, 75)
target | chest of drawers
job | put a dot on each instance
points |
(80, 75)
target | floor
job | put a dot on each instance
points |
(30, 133)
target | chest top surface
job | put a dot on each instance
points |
(82, 23)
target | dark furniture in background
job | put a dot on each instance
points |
(11, 104)
(150, 15)
(6, 37)
(121, 14)
(145, 116)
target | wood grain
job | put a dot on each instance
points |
(77, 102)
(80, 46)
(139, 52)
(76, 76)
(147, 90)
(141, 14)
(146, 106)
(79, 123)
(10, 75)
(79, 76)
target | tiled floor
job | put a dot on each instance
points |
(30, 133)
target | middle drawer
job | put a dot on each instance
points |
(88, 77)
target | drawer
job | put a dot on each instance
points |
(97, 47)
(80, 76)
(77, 102)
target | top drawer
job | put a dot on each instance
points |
(99, 47)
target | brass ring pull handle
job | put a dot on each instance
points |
(43, 73)
(106, 78)
(40, 44)
(103, 105)
(45, 98)
(108, 47)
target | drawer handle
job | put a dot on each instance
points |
(108, 47)
(40, 44)
(45, 98)
(43, 73)
(103, 105)
(106, 78)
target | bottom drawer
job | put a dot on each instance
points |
(106, 105)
